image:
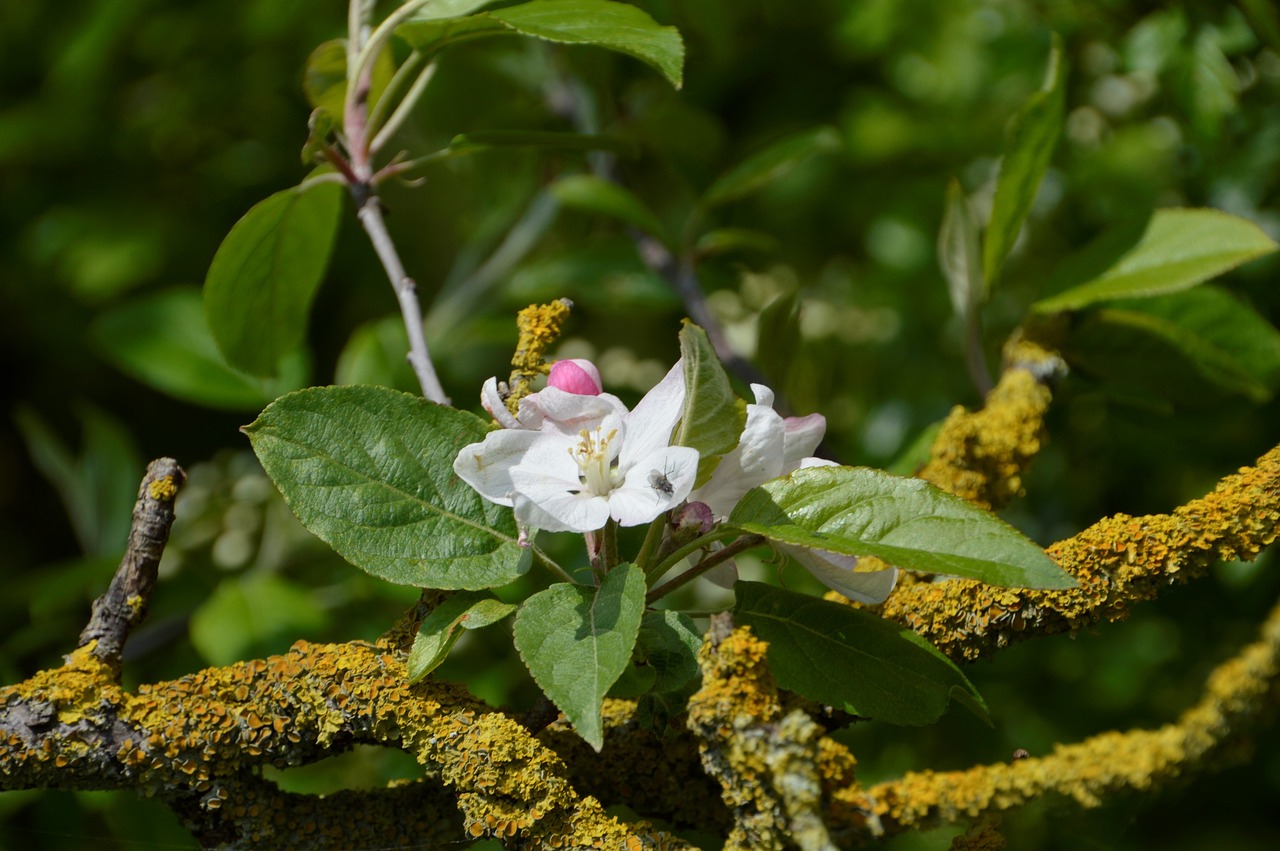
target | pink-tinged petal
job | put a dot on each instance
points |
(487, 465)
(492, 401)
(755, 460)
(576, 375)
(835, 571)
(800, 436)
(650, 423)
(556, 410)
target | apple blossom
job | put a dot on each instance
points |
(574, 461)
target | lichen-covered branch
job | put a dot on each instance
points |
(765, 761)
(198, 742)
(1119, 561)
(124, 605)
(1236, 694)
(982, 455)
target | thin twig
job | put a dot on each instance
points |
(370, 215)
(124, 605)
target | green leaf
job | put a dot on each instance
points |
(615, 26)
(438, 9)
(1034, 135)
(595, 195)
(713, 417)
(665, 660)
(98, 487)
(771, 164)
(370, 472)
(906, 522)
(577, 640)
(247, 616)
(852, 659)
(259, 288)
(1223, 339)
(374, 354)
(325, 79)
(162, 340)
(726, 240)
(440, 629)
(958, 253)
(1179, 249)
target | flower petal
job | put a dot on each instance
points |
(487, 465)
(555, 410)
(800, 437)
(575, 375)
(835, 571)
(493, 402)
(650, 423)
(755, 460)
(656, 483)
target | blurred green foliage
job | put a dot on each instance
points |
(134, 133)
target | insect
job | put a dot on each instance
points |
(658, 481)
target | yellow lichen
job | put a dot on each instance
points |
(1097, 767)
(163, 489)
(1117, 562)
(982, 455)
(540, 326)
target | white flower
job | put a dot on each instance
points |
(573, 461)
(770, 447)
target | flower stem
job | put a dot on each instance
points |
(746, 542)
(652, 540)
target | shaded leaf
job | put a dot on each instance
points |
(325, 79)
(1223, 339)
(595, 195)
(370, 472)
(958, 253)
(440, 629)
(1034, 135)
(577, 640)
(770, 164)
(244, 616)
(906, 522)
(1179, 249)
(258, 292)
(726, 240)
(713, 417)
(852, 659)
(162, 340)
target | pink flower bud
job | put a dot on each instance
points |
(577, 375)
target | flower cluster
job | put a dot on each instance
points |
(573, 457)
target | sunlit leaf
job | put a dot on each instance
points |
(615, 26)
(906, 522)
(1179, 249)
(441, 628)
(576, 640)
(370, 472)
